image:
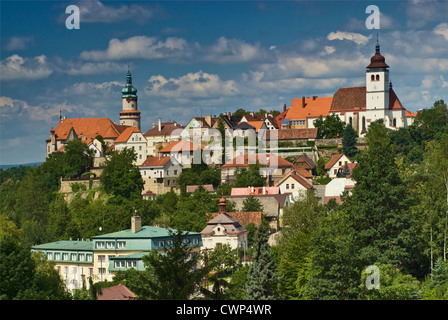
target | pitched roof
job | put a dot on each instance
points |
(244, 218)
(118, 292)
(166, 129)
(264, 159)
(349, 98)
(230, 225)
(294, 175)
(182, 145)
(312, 108)
(333, 160)
(155, 162)
(88, 127)
(256, 124)
(303, 158)
(126, 134)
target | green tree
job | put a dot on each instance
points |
(349, 139)
(175, 274)
(330, 127)
(393, 285)
(120, 177)
(385, 231)
(78, 157)
(300, 221)
(252, 204)
(263, 278)
(249, 177)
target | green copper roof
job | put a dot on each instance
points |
(129, 90)
(66, 245)
(146, 232)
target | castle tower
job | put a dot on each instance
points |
(377, 82)
(129, 116)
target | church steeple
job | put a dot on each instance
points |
(129, 116)
(377, 81)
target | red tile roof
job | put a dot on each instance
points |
(263, 159)
(166, 129)
(254, 191)
(244, 218)
(118, 292)
(303, 181)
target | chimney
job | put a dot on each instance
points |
(153, 125)
(284, 107)
(303, 102)
(230, 114)
(314, 98)
(136, 224)
(208, 120)
(160, 124)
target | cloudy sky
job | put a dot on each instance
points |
(191, 58)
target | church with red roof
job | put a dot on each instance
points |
(357, 106)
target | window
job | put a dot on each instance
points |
(287, 186)
(121, 244)
(160, 243)
(57, 256)
(117, 264)
(377, 77)
(90, 257)
(372, 77)
(101, 258)
(175, 172)
(100, 245)
(65, 256)
(195, 241)
(101, 270)
(73, 257)
(292, 185)
(395, 122)
(110, 244)
(82, 257)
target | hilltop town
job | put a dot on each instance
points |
(323, 188)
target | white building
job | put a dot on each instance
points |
(160, 174)
(295, 185)
(225, 230)
(132, 138)
(336, 163)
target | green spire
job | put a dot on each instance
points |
(129, 90)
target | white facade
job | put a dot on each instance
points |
(137, 142)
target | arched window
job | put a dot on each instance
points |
(372, 77)
(377, 77)
(350, 120)
(395, 122)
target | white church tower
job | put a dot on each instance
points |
(377, 84)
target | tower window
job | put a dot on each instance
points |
(377, 77)
(372, 77)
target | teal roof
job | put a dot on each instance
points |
(147, 232)
(66, 245)
(129, 90)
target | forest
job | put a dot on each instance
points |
(396, 218)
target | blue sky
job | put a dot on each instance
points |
(191, 58)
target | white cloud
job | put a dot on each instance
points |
(234, 51)
(15, 67)
(89, 68)
(358, 38)
(192, 85)
(141, 47)
(95, 11)
(442, 29)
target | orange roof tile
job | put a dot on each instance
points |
(256, 124)
(126, 134)
(89, 127)
(303, 181)
(410, 114)
(155, 162)
(314, 107)
(333, 160)
(254, 191)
